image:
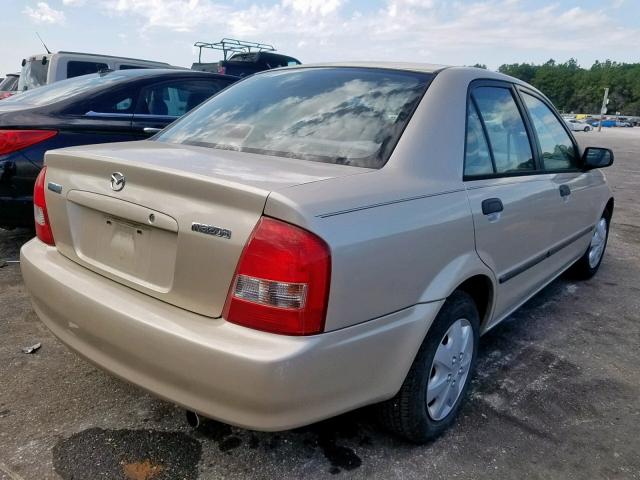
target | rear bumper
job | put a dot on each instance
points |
(224, 371)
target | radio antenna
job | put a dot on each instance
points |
(43, 44)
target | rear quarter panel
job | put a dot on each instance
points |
(402, 235)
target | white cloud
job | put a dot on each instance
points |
(313, 7)
(43, 13)
(176, 15)
(74, 3)
(412, 30)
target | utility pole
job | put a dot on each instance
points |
(603, 110)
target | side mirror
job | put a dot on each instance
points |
(596, 157)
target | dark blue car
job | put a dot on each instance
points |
(97, 108)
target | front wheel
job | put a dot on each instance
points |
(587, 266)
(586, 129)
(439, 377)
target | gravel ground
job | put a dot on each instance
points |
(556, 394)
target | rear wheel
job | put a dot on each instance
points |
(586, 129)
(587, 266)
(439, 378)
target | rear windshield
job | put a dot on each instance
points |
(349, 116)
(65, 89)
(9, 84)
(34, 74)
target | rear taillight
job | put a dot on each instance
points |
(281, 284)
(222, 70)
(13, 140)
(43, 227)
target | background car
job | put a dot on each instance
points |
(9, 85)
(577, 125)
(605, 123)
(96, 108)
(243, 64)
(242, 58)
(43, 69)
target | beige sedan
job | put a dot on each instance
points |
(316, 239)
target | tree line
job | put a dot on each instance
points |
(573, 89)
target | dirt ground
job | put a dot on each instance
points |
(556, 394)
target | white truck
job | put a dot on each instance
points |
(42, 69)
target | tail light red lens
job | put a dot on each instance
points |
(282, 281)
(43, 227)
(222, 70)
(14, 140)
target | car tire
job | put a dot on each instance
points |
(586, 129)
(409, 414)
(587, 266)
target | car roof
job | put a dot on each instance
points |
(468, 72)
(150, 72)
(408, 66)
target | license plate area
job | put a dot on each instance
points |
(136, 253)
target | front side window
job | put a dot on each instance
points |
(558, 151)
(348, 116)
(76, 68)
(505, 128)
(477, 160)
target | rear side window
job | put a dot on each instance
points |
(346, 116)
(177, 98)
(130, 67)
(507, 135)
(76, 68)
(477, 160)
(558, 151)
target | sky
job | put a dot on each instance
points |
(458, 32)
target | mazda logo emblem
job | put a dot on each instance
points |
(117, 181)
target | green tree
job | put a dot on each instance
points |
(575, 89)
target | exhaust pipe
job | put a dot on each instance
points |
(193, 419)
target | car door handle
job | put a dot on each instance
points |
(151, 130)
(492, 205)
(565, 191)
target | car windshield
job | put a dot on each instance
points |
(65, 89)
(10, 83)
(34, 74)
(350, 116)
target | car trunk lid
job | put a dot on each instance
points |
(176, 219)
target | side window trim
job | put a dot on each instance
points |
(484, 132)
(522, 90)
(91, 113)
(533, 141)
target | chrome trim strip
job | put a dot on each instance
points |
(91, 113)
(150, 116)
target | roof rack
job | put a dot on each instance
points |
(231, 45)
